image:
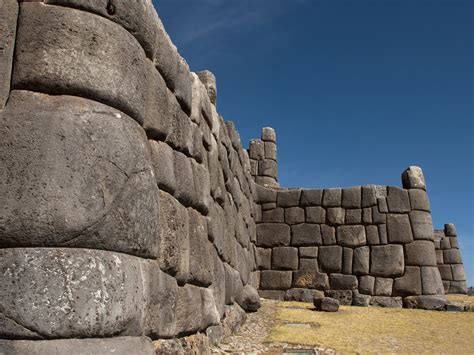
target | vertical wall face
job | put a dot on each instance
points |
(360, 244)
(126, 201)
(263, 158)
(449, 260)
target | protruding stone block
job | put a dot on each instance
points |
(270, 151)
(386, 302)
(264, 195)
(360, 300)
(306, 235)
(409, 284)
(361, 262)
(326, 304)
(275, 280)
(8, 24)
(335, 216)
(413, 178)
(288, 198)
(351, 236)
(330, 258)
(311, 279)
(458, 272)
(200, 260)
(420, 253)
(343, 282)
(450, 230)
(268, 134)
(383, 286)
(343, 296)
(315, 214)
(431, 281)
(273, 234)
(268, 167)
(67, 293)
(351, 197)
(419, 200)
(294, 215)
(185, 187)
(302, 295)
(399, 229)
(432, 303)
(210, 83)
(284, 258)
(163, 165)
(311, 197)
(88, 171)
(257, 150)
(112, 71)
(387, 260)
(422, 225)
(332, 198)
(398, 200)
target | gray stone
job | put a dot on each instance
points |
(117, 346)
(310, 279)
(452, 256)
(326, 304)
(308, 264)
(343, 282)
(432, 303)
(351, 236)
(311, 197)
(361, 262)
(439, 256)
(372, 233)
(383, 234)
(250, 299)
(366, 285)
(89, 293)
(272, 294)
(332, 198)
(163, 166)
(264, 195)
(264, 258)
(420, 253)
(256, 149)
(367, 215)
(200, 261)
(202, 187)
(353, 216)
(210, 83)
(378, 217)
(422, 225)
(453, 241)
(458, 272)
(284, 258)
(399, 229)
(288, 198)
(383, 286)
(382, 205)
(302, 295)
(369, 197)
(413, 178)
(294, 215)
(450, 230)
(275, 280)
(270, 151)
(266, 181)
(458, 287)
(347, 256)
(306, 235)
(445, 243)
(268, 167)
(351, 197)
(270, 206)
(386, 302)
(454, 307)
(273, 234)
(160, 316)
(330, 259)
(89, 167)
(188, 310)
(8, 24)
(328, 234)
(398, 200)
(45, 31)
(183, 86)
(233, 284)
(419, 200)
(387, 260)
(445, 272)
(343, 296)
(409, 284)
(218, 286)
(315, 214)
(335, 216)
(308, 252)
(268, 134)
(174, 238)
(276, 215)
(431, 281)
(360, 300)
(185, 187)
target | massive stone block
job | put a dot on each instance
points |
(68, 293)
(409, 284)
(8, 21)
(306, 235)
(116, 346)
(387, 260)
(268, 134)
(275, 280)
(174, 238)
(163, 166)
(200, 260)
(335, 216)
(399, 229)
(87, 170)
(311, 197)
(398, 200)
(276, 215)
(311, 279)
(422, 225)
(351, 236)
(366, 285)
(452, 256)
(351, 197)
(343, 282)
(285, 258)
(360, 264)
(332, 197)
(413, 178)
(273, 234)
(420, 253)
(288, 198)
(431, 281)
(328, 234)
(294, 215)
(419, 200)
(66, 51)
(330, 258)
(185, 187)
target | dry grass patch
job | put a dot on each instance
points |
(373, 329)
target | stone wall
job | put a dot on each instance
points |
(127, 201)
(449, 260)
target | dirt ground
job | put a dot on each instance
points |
(284, 327)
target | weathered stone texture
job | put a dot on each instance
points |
(306, 235)
(351, 236)
(8, 23)
(330, 258)
(275, 280)
(285, 258)
(361, 261)
(420, 253)
(409, 284)
(315, 215)
(413, 178)
(387, 260)
(398, 200)
(273, 234)
(288, 198)
(399, 229)
(332, 198)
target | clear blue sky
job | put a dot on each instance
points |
(357, 90)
